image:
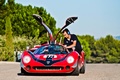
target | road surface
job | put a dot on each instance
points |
(11, 71)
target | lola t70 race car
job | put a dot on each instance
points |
(52, 57)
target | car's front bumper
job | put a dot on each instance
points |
(56, 68)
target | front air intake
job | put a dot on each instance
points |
(47, 68)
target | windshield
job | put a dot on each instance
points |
(51, 49)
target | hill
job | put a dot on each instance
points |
(117, 37)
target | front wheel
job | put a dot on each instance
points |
(82, 70)
(76, 71)
(23, 71)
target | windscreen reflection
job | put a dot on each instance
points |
(51, 49)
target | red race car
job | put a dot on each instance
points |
(52, 57)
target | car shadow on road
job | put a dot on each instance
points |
(37, 74)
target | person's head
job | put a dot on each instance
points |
(66, 33)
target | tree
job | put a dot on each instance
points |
(9, 40)
(2, 2)
(22, 21)
(2, 16)
(112, 59)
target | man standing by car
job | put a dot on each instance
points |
(71, 41)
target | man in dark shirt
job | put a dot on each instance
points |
(71, 41)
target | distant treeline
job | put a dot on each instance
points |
(20, 29)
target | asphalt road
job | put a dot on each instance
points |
(11, 71)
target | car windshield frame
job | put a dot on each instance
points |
(51, 49)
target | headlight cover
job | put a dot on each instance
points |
(70, 59)
(26, 59)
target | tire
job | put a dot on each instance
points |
(82, 70)
(76, 71)
(23, 71)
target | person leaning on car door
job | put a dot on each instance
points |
(71, 41)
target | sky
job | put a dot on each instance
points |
(97, 18)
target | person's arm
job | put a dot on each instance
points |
(74, 38)
(64, 43)
(72, 45)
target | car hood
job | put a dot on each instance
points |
(48, 59)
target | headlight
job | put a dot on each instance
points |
(70, 59)
(45, 56)
(26, 59)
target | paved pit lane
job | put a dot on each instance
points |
(11, 71)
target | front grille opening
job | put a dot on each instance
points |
(47, 68)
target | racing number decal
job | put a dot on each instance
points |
(50, 56)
